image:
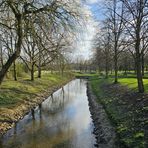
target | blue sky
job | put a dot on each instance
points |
(96, 7)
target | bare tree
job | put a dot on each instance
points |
(136, 25)
(34, 13)
(115, 10)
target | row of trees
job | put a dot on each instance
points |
(37, 33)
(84, 65)
(124, 37)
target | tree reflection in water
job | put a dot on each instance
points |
(62, 120)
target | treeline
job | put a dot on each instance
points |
(36, 35)
(122, 39)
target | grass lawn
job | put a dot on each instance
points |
(12, 92)
(130, 80)
(132, 83)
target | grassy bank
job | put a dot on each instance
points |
(18, 97)
(126, 109)
(12, 92)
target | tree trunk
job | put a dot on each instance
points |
(125, 66)
(142, 58)
(39, 72)
(135, 69)
(139, 76)
(32, 72)
(138, 62)
(116, 65)
(116, 38)
(16, 54)
(14, 71)
(99, 69)
(146, 68)
(111, 72)
(39, 66)
(10, 61)
(1, 57)
(106, 67)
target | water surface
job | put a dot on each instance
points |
(62, 121)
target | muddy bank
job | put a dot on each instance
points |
(104, 131)
(9, 116)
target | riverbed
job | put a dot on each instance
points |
(63, 120)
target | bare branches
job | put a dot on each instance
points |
(38, 30)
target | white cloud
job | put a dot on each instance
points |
(88, 30)
(92, 1)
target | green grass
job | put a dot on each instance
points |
(122, 112)
(12, 92)
(132, 83)
(130, 80)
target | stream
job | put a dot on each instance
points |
(63, 120)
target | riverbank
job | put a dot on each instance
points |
(104, 131)
(17, 98)
(127, 110)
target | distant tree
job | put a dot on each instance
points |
(115, 10)
(103, 44)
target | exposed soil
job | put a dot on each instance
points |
(104, 131)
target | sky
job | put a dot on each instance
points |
(84, 44)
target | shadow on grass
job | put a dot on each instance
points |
(18, 91)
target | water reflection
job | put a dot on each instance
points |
(61, 121)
